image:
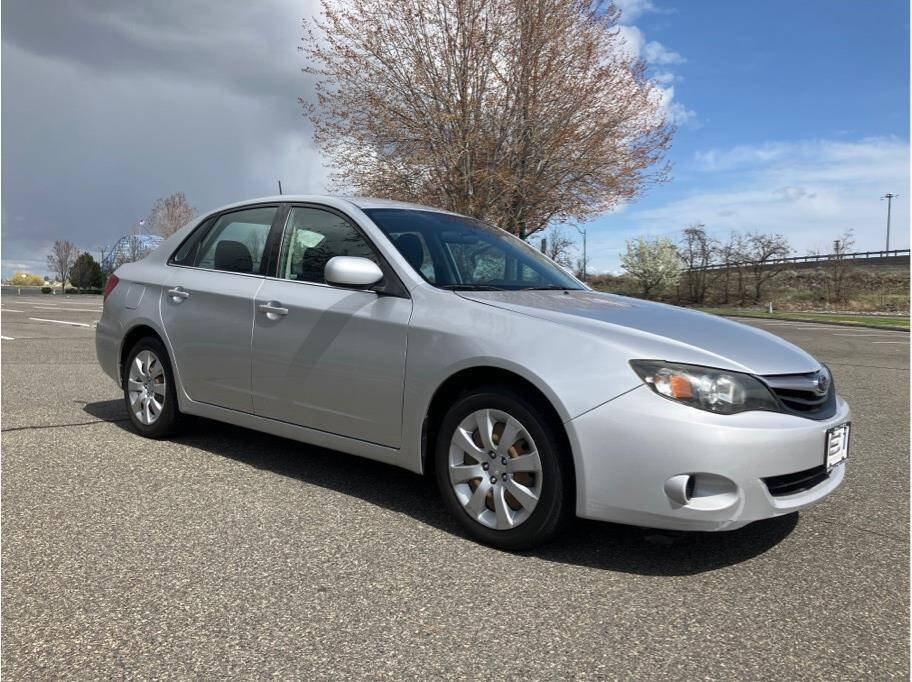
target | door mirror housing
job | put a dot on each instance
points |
(352, 271)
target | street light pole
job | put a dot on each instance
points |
(889, 197)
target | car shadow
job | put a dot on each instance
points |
(592, 544)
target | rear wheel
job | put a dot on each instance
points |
(501, 469)
(149, 392)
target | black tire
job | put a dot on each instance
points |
(169, 420)
(553, 508)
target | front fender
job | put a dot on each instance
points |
(574, 370)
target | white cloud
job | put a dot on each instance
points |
(665, 77)
(677, 112)
(652, 52)
(812, 191)
(655, 54)
(631, 10)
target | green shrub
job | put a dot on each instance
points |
(45, 290)
(70, 290)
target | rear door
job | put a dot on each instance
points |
(207, 307)
(327, 357)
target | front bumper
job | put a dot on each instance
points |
(627, 449)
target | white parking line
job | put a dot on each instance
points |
(7, 338)
(76, 310)
(75, 324)
(11, 310)
(867, 334)
(889, 342)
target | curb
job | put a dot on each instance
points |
(856, 325)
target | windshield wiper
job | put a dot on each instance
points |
(472, 287)
(550, 287)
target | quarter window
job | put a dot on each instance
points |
(189, 250)
(312, 237)
(237, 241)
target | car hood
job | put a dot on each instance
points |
(657, 331)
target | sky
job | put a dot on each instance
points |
(792, 117)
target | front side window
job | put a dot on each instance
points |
(415, 250)
(463, 253)
(313, 236)
(237, 241)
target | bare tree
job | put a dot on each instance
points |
(518, 113)
(61, 258)
(697, 250)
(760, 250)
(130, 249)
(838, 268)
(654, 264)
(170, 213)
(558, 247)
(732, 255)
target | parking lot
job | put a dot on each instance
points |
(231, 553)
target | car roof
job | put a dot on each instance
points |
(360, 202)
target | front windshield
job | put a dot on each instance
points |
(455, 252)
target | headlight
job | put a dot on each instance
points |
(705, 388)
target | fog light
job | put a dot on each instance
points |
(701, 491)
(680, 488)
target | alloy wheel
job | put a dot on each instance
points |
(495, 469)
(146, 387)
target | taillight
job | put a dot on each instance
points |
(109, 286)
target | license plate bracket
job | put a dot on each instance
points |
(836, 450)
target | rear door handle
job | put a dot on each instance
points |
(272, 309)
(178, 294)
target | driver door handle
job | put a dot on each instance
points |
(272, 309)
(178, 294)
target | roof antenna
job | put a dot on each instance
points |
(280, 188)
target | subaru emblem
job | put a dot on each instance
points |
(822, 382)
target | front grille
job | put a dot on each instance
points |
(796, 394)
(788, 484)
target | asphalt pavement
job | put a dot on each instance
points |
(228, 553)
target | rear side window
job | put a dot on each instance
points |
(236, 242)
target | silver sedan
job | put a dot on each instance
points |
(440, 344)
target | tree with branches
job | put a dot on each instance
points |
(760, 250)
(732, 256)
(559, 247)
(654, 264)
(170, 213)
(134, 248)
(26, 279)
(837, 268)
(86, 272)
(61, 258)
(518, 113)
(697, 250)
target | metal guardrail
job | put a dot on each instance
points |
(821, 258)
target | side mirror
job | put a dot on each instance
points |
(351, 271)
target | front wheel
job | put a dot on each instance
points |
(149, 391)
(501, 469)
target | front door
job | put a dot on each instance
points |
(208, 306)
(326, 357)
